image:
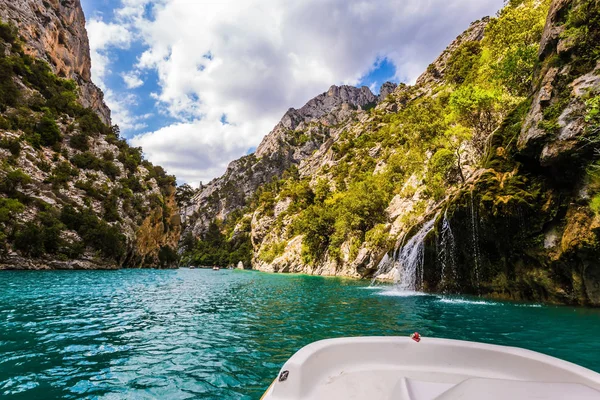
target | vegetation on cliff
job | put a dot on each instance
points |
(70, 186)
(499, 138)
(432, 137)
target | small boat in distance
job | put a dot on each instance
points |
(215, 268)
(415, 368)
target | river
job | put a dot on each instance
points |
(203, 334)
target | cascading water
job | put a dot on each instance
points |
(409, 260)
(475, 231)
(446, 251)
(385, 265)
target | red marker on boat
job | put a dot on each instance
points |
(416, 337)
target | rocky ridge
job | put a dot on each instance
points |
(538, 188)
(295, 138)
(497, 139)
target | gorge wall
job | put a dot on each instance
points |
(530, 215)
(54, 31)
(73, 194)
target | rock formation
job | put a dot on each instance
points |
(73, 194)
(54, 30)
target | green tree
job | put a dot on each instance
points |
(479, 109)
(48, 131)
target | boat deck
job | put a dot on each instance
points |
(402, 369)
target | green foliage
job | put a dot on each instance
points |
(89, 188)
(316, 223)
(111, 170)
(214, 248)
(378, 237)
(592, 116)
(8, 33)
(131, 157)
(12, 145)
(80, 142)
(111, 208)
(515, 69)
(582, 32)
(48, 131)
(184, 195)
(32, 100)
(321, 191)
(13, 181)
(62, 174)
(442, 172)
(271, 252)
(35, 239)
(595, 204)
(462, 62)
(133, 183)
(87, 160)
(553, 111)
(327, 225)
(519, 23)
(9, 91)
(9, 208)
(477, 108)
(107, 239)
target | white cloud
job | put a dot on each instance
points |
(132, 80)
(253, 59)
(102, 36)
(120, 107)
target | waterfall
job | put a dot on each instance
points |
(385, 265)
(475, 232)
(409, 259)
(447, 251)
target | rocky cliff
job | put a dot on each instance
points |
(54, 30)
(73, 194)
(531, 213)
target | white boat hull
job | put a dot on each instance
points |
(398, 368)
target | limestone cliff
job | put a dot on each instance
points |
(533, 227)
(73, 194)
(482, 178)
(54, 30)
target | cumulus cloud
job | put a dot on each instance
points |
(132, 80)
(102, 36)
(121, 111)
(252, 59)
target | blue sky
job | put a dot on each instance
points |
(199, 83)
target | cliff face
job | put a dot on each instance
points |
(73, 194)
(530, 215)
(54, 30)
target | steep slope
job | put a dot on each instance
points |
(72, 193)
(298, 135)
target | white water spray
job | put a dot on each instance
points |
(447, 251)
(409, 260)
(475, 231)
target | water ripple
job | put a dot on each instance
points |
(195, 334)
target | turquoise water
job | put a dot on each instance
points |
(224, 335)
